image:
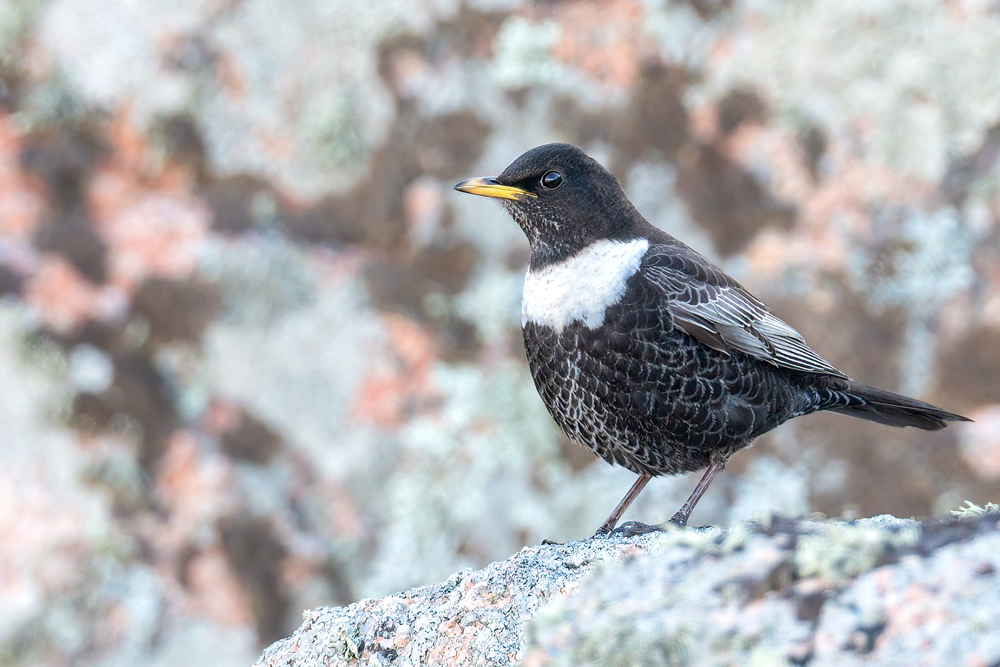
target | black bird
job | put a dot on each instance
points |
(646, 352)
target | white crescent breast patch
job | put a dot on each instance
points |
(580, 288)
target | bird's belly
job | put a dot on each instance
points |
(657, 404)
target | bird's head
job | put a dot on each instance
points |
(562, 198)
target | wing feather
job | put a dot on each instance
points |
(720, 313)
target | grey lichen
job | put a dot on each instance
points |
(913, 66)
(524, 53)
(332, 124)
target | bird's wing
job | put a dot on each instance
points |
(716, 310)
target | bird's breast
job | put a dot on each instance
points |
(580, 288)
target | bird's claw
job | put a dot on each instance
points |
(636, 528)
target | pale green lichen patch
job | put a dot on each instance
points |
(971, 510)
(345, 643)
(838, 552)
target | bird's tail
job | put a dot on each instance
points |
(885, 407)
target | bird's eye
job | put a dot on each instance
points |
(552, 180)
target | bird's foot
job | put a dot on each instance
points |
(679, 520)
(636, 528)
(550, 543)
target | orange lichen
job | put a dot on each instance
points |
(193, 487)
(144, 211)
(215, 590)
(607, 44)
(193, 484)
(833, 212)
(156, 235)
(21, 200)
(221, 416)
(401, 381)
(60, 297)
(346, 517)
(231, 76)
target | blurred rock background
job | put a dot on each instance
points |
(257, 356)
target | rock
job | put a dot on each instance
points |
(880, 591)
(475, 617)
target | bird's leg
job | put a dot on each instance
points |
(612, 521)
(680, 517)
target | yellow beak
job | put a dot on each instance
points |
(488, 187)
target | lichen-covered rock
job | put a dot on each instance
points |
(880, 591)
(475, 617)
(876, 592)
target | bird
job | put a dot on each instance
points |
(646, 352)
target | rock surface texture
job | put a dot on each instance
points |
(880, 591)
